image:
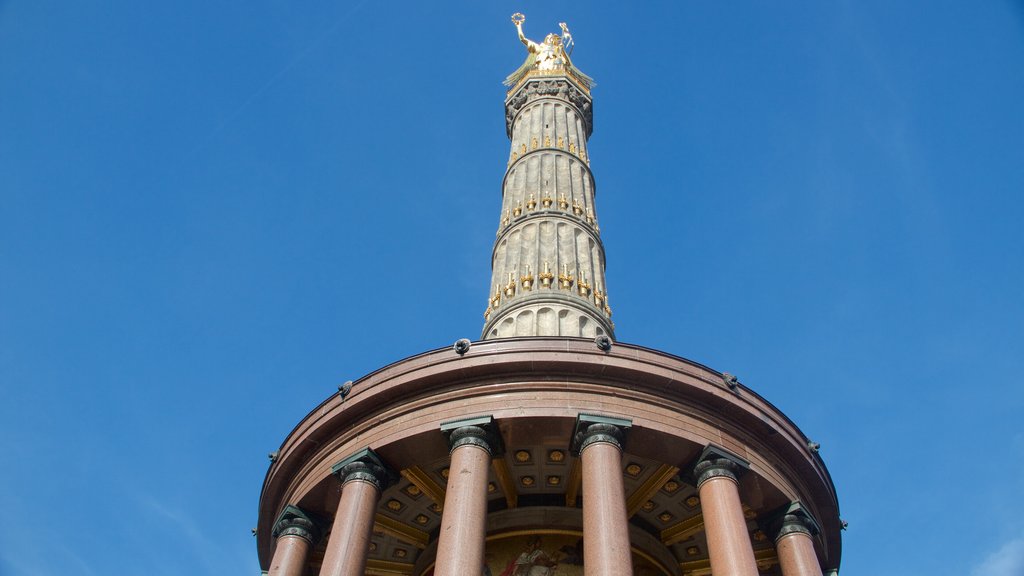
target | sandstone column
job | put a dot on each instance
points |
(729, 544)
(598, 443)
(548, 262)
(460, 547)
(794, 543)
(296, 534)
(363, 478)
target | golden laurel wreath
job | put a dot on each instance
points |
(518, 18)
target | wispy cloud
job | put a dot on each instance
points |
(1007, 561)
(180, 522)
(24, 556)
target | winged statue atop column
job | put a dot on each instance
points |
(547, 56)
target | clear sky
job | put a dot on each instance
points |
(213, 213)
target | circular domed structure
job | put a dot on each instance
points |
(527, 408)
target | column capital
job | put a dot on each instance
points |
(592, 428)
(481, 432)
(549, 87)
(793, 518)
(294, 521)
(364, 466)
(715, 462)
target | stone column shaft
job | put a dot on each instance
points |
(794, 542)
(605, 526)
(796, 555)
(296, 533)
(548, 263)
(460, 547)
(290, 556)
(350, 534)
(729, 546)
(363, 477)
(606, 549)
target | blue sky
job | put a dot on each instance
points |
(213, 213)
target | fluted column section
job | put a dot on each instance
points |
(794, 543)
(729, 546)
(296, 535)
(606, 550)
(363, 478)
(460, 548)
(548, 264)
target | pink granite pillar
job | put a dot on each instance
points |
(460, 547)
(363, 478)
(729, 546)
(606, 550)
(290, 556)
(795, 545)
(296, 535)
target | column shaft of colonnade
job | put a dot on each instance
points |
(349, 541)
(796, 555)
(794, 543)
(289, 556)
(729, 545)
(606, 550)
(460, 548)
(296, 534)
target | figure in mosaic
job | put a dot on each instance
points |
(534, 561)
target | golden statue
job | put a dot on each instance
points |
(547, 56)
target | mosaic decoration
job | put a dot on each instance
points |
(544, 554)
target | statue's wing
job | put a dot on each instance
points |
(587, 80)
(516, 76)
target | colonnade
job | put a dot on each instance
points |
(597, 442)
